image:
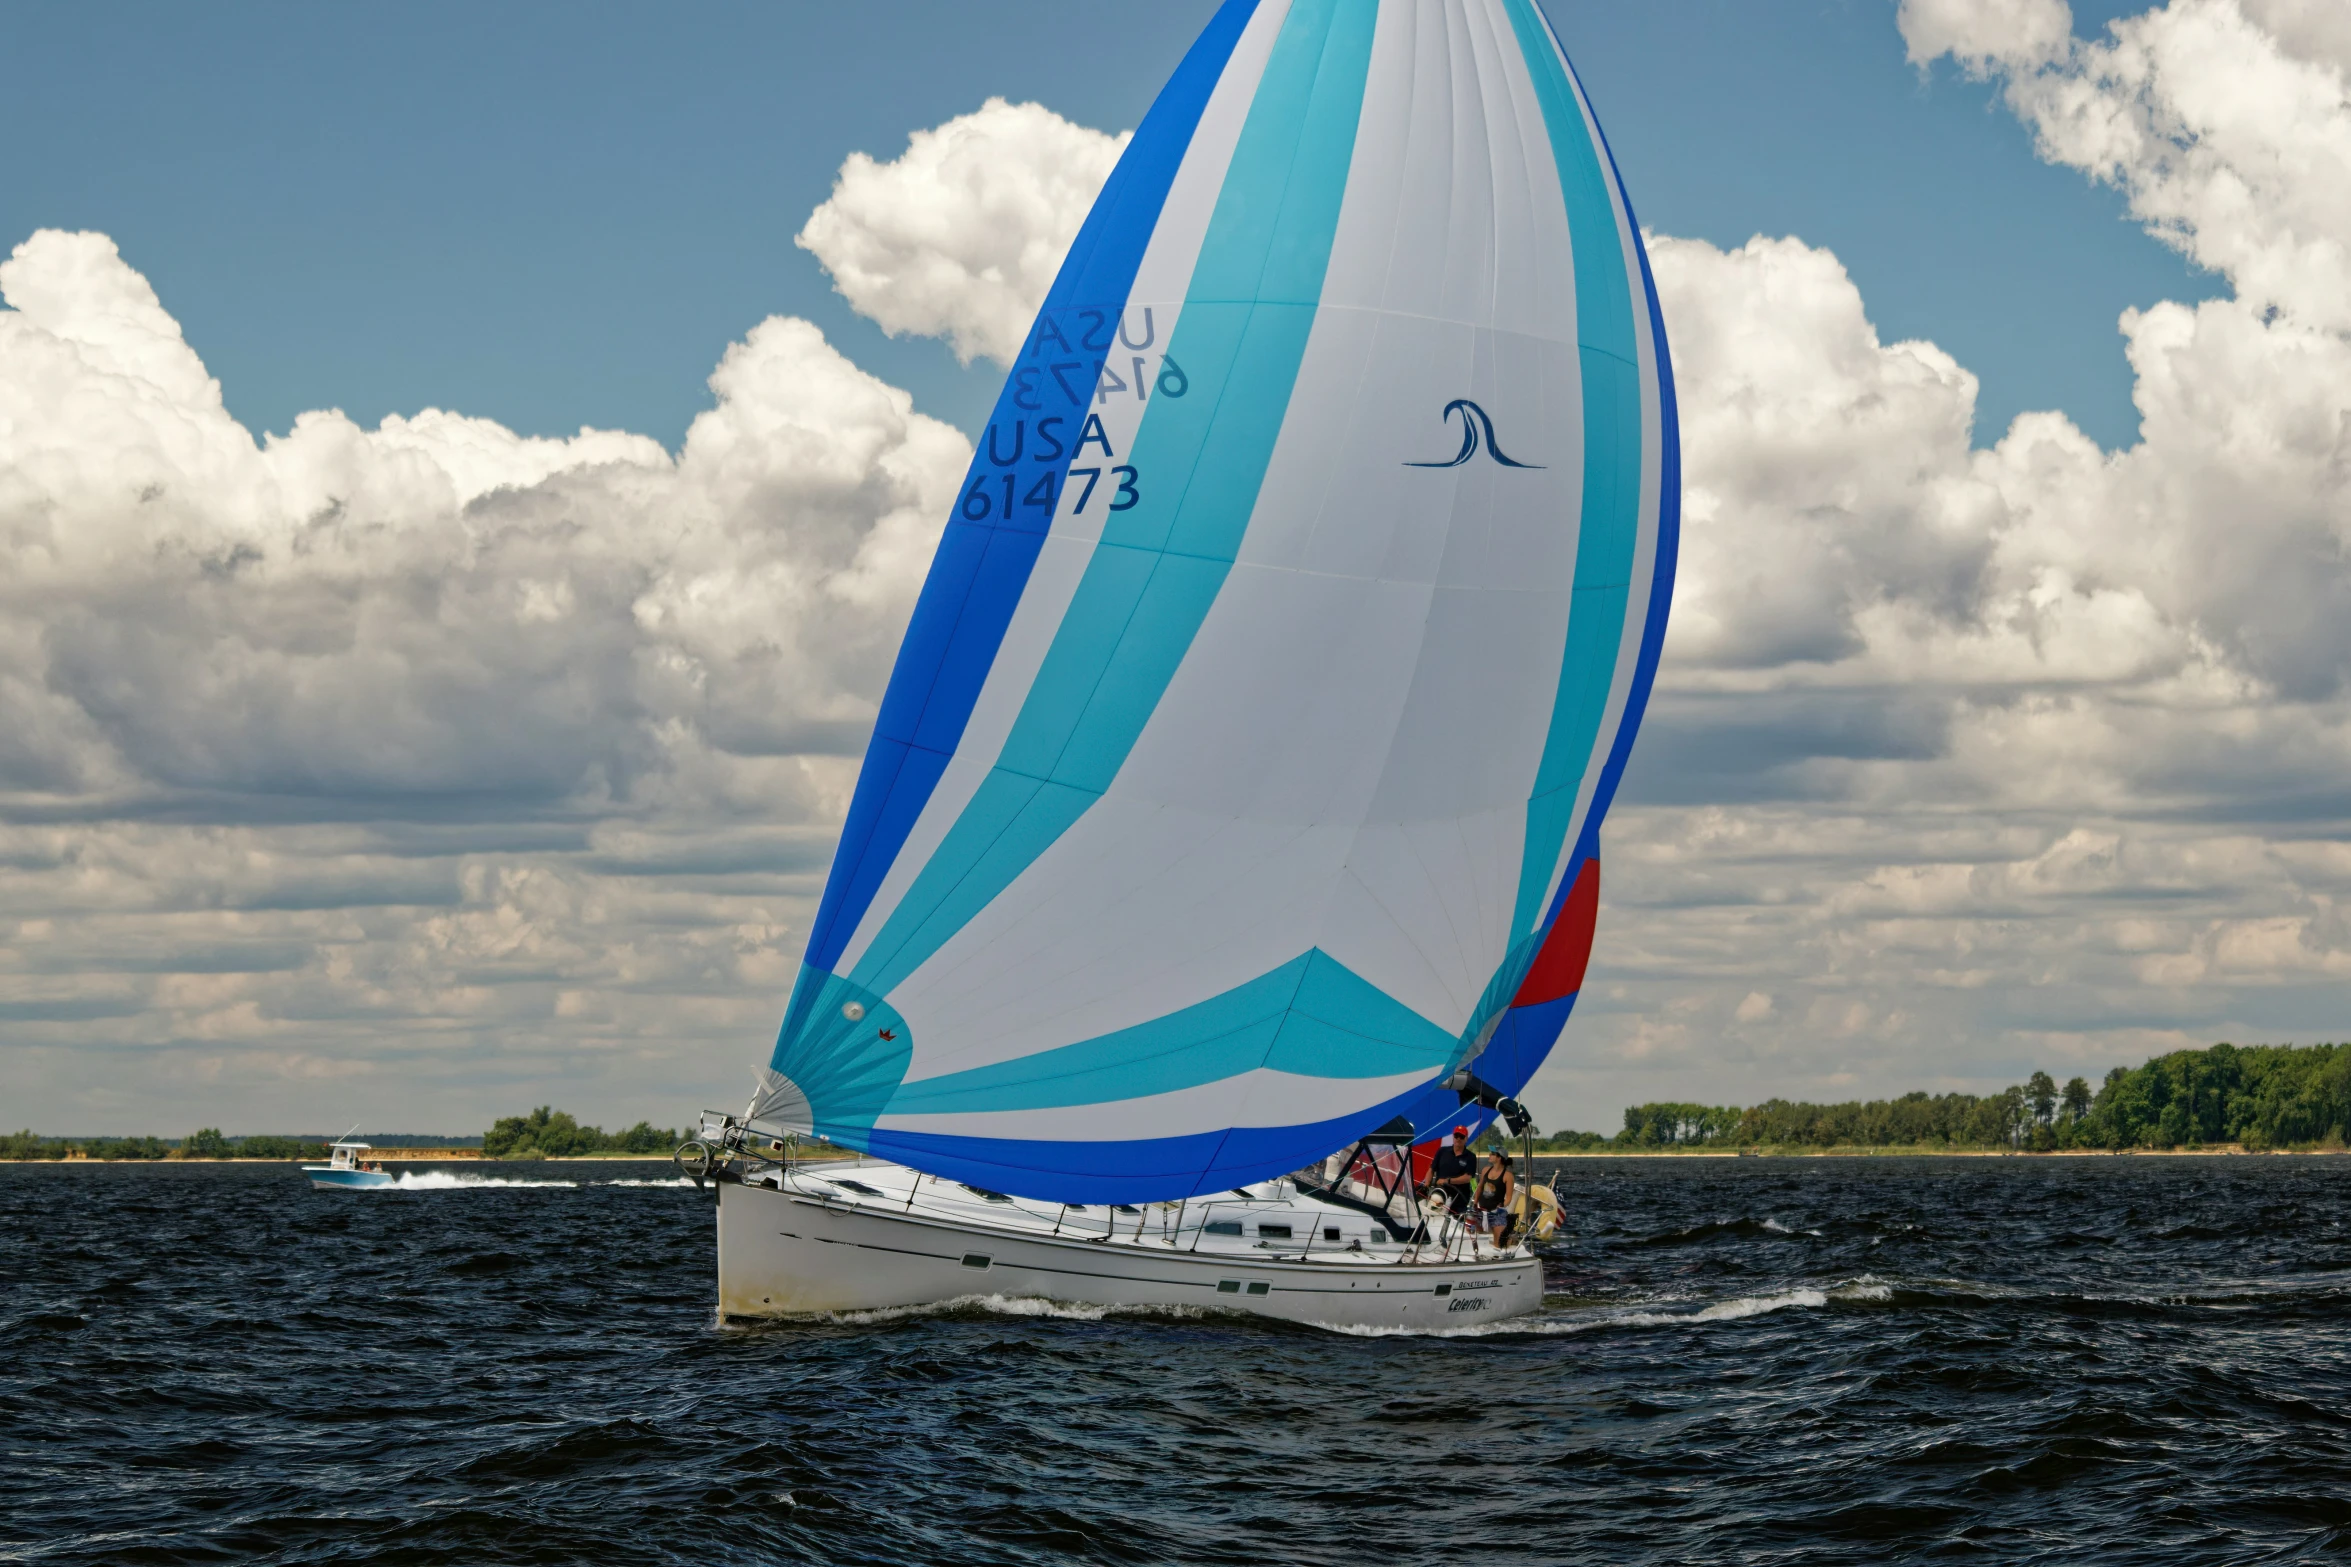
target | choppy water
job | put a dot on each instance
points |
(2109, 1361)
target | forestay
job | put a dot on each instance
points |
(1241, 773)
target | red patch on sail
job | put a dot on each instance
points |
(1559, 967)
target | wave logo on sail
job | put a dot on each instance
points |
(1475, 424)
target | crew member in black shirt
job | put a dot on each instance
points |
(1454, 1171)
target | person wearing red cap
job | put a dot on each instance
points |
(1455, 1170)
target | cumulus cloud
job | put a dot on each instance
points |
(425, 728)
(1977, 759)
(959, 237)
(1982, 34)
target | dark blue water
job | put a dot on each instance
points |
(2108, 1360)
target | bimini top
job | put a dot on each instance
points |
(1241, 772)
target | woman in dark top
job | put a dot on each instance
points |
(1493, 1199)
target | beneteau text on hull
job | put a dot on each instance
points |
(1237, 790)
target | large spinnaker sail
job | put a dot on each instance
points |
(1241, 773)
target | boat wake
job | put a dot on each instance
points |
(980, 1306)
(1724, 1229)
(1598, 1320)
(445, 1181)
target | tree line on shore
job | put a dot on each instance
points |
(552, 1134)
(205, 1144)
(545, 1133)
(2259, 1096)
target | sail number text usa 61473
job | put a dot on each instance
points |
(1073, 359)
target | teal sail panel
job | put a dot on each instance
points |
(1278, 660)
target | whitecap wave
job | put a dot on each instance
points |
(680, 1180)
(1721, 1311)
(1514, 1325)
(1777, 1228)
(1750, 1306)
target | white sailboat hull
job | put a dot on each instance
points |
(795, 1250)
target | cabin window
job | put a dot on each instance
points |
(972, 1259)
(1330, 1232)
(1128, 1207)
(859, 1187)
(1228, 1286)
(1274, 1232)
(1224, 1227)
(1444, 1289)
(982, 1191)
(1259, 1289)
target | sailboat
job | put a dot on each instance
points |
(1230, 827)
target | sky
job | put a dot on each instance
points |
(463, 474)
(556, 218)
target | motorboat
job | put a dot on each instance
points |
(1236, 793)
(345, 1170)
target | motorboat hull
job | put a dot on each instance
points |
(348, 1180)
(789, 1252)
